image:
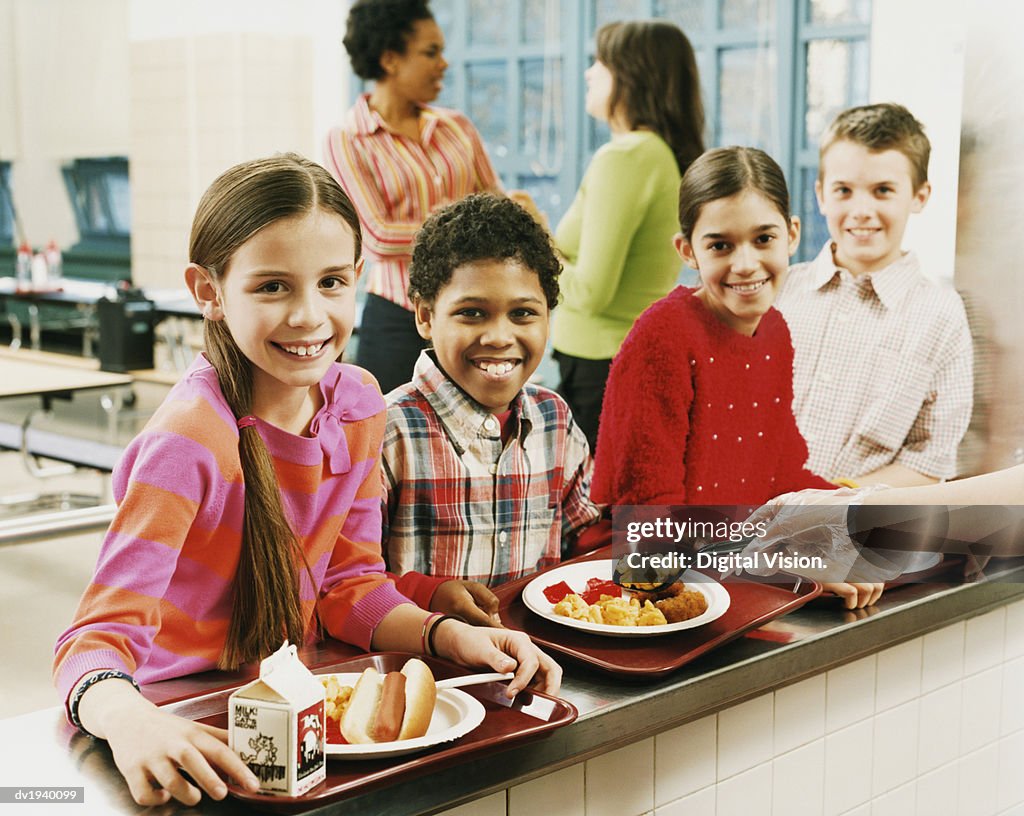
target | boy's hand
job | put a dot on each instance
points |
(469, 600)
(856, 596)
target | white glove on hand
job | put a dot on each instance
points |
(813, 523)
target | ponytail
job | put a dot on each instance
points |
(266, 607)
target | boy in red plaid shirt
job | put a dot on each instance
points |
(487, 476)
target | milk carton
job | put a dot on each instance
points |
(276, 725)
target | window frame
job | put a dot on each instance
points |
(7, 225)
(89, 178)
(791, 36)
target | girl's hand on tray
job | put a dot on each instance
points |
(470, 600)
(855, 595)
(501, 650)
(152, 748)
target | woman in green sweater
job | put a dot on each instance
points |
(616, 237)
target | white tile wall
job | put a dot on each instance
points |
(798, 781)
(939, 740)
(701, 803)
(899, 674)
(850, 693)
(981, 707)
(621, 783)
(799, 714)
(1011, 771)
(1012, 717)
(848, 767)
(898, 802)
(937, 791)
(744, 736)
(747, 793)
(894, 761)
(561, 792)
(942, 657)
(979, 777)
(1014, 630)
(901, 733)
(983, 644)
(685, 759)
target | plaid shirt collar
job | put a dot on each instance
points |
(890, 284)
(463, 417)
(368, 121)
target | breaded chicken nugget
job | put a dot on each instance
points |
(687, 604)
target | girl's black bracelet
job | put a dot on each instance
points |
(433, 630)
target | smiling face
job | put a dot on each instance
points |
(489, 327)
(867, 197)
(741, 246)
(418, 73)
(288, 298)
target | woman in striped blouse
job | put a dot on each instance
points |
(399, 159)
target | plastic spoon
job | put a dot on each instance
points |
(474, 679)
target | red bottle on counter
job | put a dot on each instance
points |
(23, 274)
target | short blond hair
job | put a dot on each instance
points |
(885, 126)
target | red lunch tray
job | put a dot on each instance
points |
(501, 728)
(753, 603)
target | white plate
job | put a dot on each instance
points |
(576, 576)
(455, 715)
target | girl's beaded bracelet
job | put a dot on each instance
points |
(84, 685)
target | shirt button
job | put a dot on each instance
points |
(490, 423)
(503, 536)
(493, 469)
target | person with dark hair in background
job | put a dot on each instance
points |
(616, 237)
(399, 159)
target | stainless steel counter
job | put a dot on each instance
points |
(612, 713)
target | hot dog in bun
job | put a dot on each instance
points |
(395, 706)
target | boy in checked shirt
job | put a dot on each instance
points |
(487, 476)
(882, 371)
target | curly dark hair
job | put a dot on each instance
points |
(480, 227)
(376, 26)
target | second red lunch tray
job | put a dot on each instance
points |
(752, 604)
(502, 727)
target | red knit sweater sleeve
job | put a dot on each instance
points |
(791, 473)
(645, 418)
(417, 587)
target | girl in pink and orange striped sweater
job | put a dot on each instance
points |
(249, 506)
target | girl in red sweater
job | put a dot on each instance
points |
(698, 406)
(697, 409)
